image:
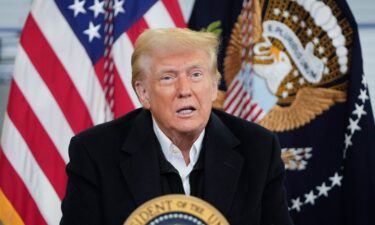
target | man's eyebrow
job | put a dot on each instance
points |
(173, 70)
(167, 70)
(195, 66)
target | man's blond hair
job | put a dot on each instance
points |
(170, 40)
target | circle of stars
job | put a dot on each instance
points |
(313, 195)
(356, 116)
(336, 179)
(358, 112)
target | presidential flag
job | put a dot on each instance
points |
(72, 71)
(300, 63)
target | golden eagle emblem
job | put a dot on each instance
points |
(302, 51)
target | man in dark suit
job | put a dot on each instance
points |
(175, 144)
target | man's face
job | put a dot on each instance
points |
(179, 90)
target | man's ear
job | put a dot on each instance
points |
(142, 93)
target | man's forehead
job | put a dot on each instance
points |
(187, 65)
(179, 53)
(188, 60)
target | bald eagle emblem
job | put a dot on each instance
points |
(300, 50)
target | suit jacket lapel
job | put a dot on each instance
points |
(222, 165)
(141, 166)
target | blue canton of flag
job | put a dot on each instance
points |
(87, 19)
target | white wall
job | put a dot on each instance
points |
(13, 13)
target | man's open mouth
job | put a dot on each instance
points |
(186, 110)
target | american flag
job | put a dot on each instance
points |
(72, 71)
(239, 101)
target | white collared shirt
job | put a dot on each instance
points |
(174, 155)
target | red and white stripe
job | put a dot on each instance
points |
(55, 93)
(239, 100)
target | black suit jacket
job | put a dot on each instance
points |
(114, 168)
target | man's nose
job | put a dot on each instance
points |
(184, 87)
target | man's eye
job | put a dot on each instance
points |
(196, 75)
(167, 78)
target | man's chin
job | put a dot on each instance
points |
(189, 129)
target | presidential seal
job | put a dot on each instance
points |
(296, 54)
(287, 68)
(301, 49)
(176, 210)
